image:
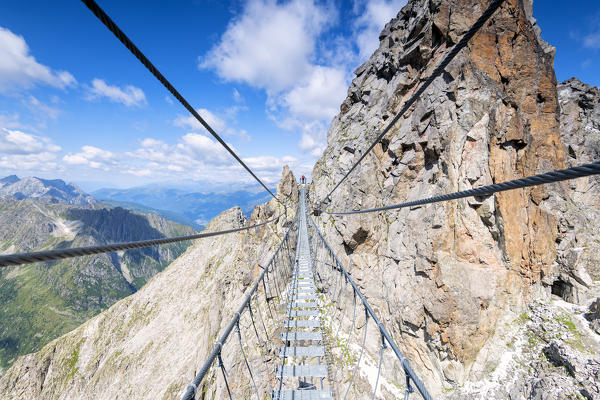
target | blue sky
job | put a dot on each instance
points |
(269, 76)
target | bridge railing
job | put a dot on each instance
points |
(241, 363)
(337, 282)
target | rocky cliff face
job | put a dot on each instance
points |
(450, 279)
(151, 344)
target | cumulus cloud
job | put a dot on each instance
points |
(269, 162)
(130, 95)
(196, 156)
(43, 161)
(17, 142)
(218, 123)
(20, 70)
(190, 122)
(92, 157)
(203, 148)
(270, 45)
(373, 15)
(22, 151)
(319, 95)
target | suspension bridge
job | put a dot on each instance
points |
(302, 329)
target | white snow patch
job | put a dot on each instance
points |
(66, 228)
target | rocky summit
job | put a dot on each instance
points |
(452, 278)
(489, 297)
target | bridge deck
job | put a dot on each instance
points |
(302, 325)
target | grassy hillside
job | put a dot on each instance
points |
(42, 301)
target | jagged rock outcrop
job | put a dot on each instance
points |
(593, 316)
(150, 344)
(580, 134)
(448, 277)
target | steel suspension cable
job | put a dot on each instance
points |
(224, 372)
(256, 298)
(436, 72)
(50, 255)
(262, 346)
(535, 180)
(347, 346)
(362, 350)
(410, 374)
(239, 336)
(381, 348)
(190, 392)
(110, 24)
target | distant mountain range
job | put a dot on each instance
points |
(55, 190)
(200, 207)
(39, 302)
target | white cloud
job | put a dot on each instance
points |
(190, 122)
(218, 123)
(43, 161)
(93, 157)
(313, 142)
(39, 107)
(237, 96)
(19, 69)
(592, 41)
(11, 121)
(270, 45)
(373, 16)
(204, 148)
(17, 142)
(139, 172)
(198, 157)
(269, 162)
(130, 95)
(273, 46)
(319, 96)
(22, 151)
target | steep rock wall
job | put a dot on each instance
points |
(449, 278)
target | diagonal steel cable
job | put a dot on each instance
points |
(346, 347)
(410, 374)
(224, 372)
(50, 255)
(239, 336)
(548, 177)
(436, 72)
(262, 346)
(110, 24)
(362, 350)
(190, 392)
(381, 348)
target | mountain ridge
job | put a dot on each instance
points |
(43, 301)
(199, 206)
(55, 190)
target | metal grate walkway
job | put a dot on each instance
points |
(303, 370)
